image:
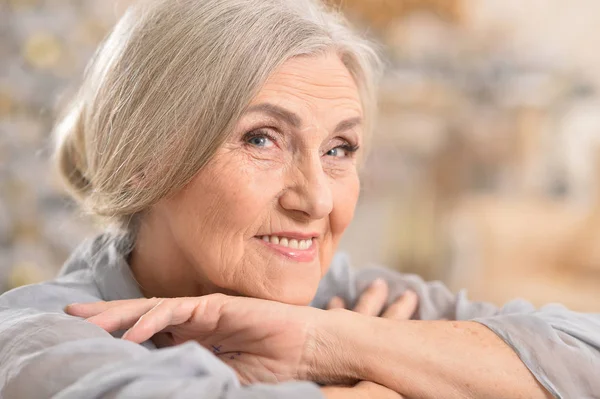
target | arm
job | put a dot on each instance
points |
(560, 348)
(429, 359)
(295, 342)
(362, 390)
(54, 355)
(415, 358)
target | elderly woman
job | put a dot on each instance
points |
(222, 138)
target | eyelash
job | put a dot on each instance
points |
(258, 133)
(349, 148)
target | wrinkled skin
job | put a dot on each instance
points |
(206, 239)
(264, 341)
(284, 178)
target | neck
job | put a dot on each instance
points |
(161, 268)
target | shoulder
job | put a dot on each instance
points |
(76, 282)
(53, 295)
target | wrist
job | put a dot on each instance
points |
(365, 348)
(333, 358)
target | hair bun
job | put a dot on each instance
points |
(71, 155)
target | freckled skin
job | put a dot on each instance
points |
(203, 239)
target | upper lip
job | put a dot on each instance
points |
(293, 234)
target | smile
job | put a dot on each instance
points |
(288, 242)
(300, 250)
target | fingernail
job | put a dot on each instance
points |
(70, 307)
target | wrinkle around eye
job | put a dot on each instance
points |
(264, 156)
(339, 166)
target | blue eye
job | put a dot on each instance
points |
(336, 152)
(259, 139)
(342, 151)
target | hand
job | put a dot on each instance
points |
(264, 341)
(362, 390)
(372, 302)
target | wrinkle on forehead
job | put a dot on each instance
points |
(319, 83)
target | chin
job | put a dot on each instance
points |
(297, 299)
(292, 291)
(287, 279)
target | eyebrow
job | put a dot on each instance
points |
(347, 124)
(294, 120)
(277, 112)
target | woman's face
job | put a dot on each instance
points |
(265, 216)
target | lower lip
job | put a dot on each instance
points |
(299, 255)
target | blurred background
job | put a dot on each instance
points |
(485, 169)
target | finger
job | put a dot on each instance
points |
(402, 308)
(336, 303)
(91, 309)
(168, 312)
(86, 309)
(373, 299)
(151, 322)
(124, 316)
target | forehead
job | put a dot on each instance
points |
(312, 83)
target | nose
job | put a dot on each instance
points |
(309, 190)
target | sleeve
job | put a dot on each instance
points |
(560, 347)
(44, 354)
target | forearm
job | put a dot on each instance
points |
(362, 390)
(432, 359)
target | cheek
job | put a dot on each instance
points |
(345, 195)
(221, 209)
(227, 202)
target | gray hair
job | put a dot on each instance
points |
(170, 81)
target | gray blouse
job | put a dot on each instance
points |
(46, 353)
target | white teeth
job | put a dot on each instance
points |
(289, 243)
